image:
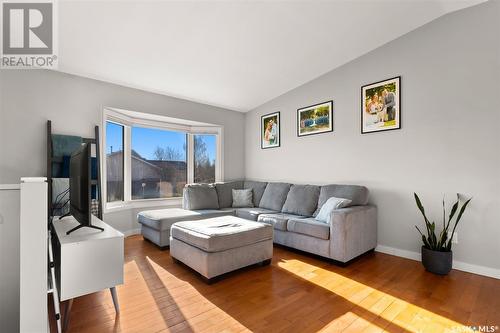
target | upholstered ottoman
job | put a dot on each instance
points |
(155, 224)
(219, 245)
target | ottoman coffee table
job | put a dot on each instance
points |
(220, 245)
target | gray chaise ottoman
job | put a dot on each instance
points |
(219, 245)
(155, 224)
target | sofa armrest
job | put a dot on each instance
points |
(353, 231)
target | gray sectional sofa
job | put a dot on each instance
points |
(290, 209)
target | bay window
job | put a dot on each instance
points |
(158, 163)
(153, 158)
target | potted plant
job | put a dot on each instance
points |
(437, 256)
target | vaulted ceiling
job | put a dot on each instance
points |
(233, 54)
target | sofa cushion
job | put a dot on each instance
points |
(301, 200)
(224, 192)
(221, 233)
(242, 198)
(330, 205)
(274, 196)
(278, 220)
(229, 210)
(257, 188)
(200, 196)
(357, 194)
(309, 227)
(162, 219)
(252, 213)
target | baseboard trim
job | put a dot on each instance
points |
(458, 265)
(132, 232)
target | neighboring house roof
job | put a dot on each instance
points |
(142, 169)
(179, 165)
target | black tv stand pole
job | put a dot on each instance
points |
(83, 226)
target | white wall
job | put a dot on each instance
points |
(449, 141)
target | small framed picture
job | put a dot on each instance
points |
(381, 106)
(270, 130)
(315, 119)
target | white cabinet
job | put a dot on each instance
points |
(87, 260)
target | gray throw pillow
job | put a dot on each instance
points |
(242, 198)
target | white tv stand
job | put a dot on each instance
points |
(87, 260)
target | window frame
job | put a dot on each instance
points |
(190, 128)
(104, 161)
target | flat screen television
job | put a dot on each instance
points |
(80, 187)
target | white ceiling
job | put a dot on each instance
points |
(236, 55)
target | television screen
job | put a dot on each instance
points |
(80, 185)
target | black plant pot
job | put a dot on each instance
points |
(437, 262)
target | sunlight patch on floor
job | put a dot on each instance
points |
(377, 303)
(133, 313)
(339, 324)
(202, 314)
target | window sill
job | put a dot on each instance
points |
(146, 203)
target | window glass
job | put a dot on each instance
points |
(205, 147)
(114, 162)
(159, 165)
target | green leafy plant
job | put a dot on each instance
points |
(442, 242)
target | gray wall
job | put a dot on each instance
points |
(28, 98)
(449, 141)
(74, 104)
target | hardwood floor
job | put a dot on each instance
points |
(296, 293)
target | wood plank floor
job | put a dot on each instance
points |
(296, 293)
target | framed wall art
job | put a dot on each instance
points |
(381, 106)
(270, 130)
(315, 119)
